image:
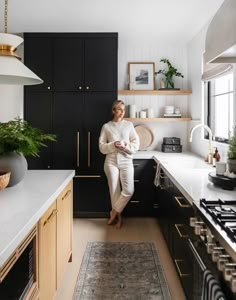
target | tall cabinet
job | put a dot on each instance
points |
(80, 83)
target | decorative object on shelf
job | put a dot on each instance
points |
(150, 113)
(4, 179)
(145, 136)
(141, 75)
(12, 70)
(169, 73)
(17, 140)
(231, 161)
(132, 111)
(172, 112)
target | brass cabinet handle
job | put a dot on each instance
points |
(162, 175)
(181, 204)
(87, 176)
(66, 195)
(136, 180)
(51, 216)
(179, 232)
(89, 148)
(78, 149)
(134, 201)
(177, 261)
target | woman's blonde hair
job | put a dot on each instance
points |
(117, 103)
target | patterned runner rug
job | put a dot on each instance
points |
(121, 270)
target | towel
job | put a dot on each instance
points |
(157, 176)
(211, 288)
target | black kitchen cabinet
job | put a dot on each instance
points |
(73, 61)
(144, 201)
(80, 74)
(174, 215)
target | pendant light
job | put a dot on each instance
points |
(12, 70)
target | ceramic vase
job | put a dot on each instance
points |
(16, 164)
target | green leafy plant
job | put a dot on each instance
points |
(19, 136)
(232, 145)
(169, 73)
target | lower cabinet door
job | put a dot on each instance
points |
(64, 230)
(91, 196)
(47, 254)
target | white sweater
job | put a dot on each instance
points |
(118, 131)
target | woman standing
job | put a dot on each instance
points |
(119, 140)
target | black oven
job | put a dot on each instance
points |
(18, 276)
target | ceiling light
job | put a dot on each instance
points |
(12, 70)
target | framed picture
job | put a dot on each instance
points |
(141, 75)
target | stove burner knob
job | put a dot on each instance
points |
(216, 252)
(210, 247)
(229, 269)
(199, 226)
(233, 283)
(193, 220)
(222, 260)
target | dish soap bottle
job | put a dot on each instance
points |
(216, 157)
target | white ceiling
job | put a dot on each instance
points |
(173, 20)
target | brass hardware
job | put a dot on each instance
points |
(134, 201)
(66, 195)
(6, 50)
(162, 176)
(179, 232)
(180, 204)
(89, 149)
(88, 176)
(177, 261)
(51, 216)
(136, 180)
(78, 149)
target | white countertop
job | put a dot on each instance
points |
(22, 205)
(189, 173)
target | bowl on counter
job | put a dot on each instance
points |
(4, 179)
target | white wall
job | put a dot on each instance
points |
(195, 50)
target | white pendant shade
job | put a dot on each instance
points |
(12, 70)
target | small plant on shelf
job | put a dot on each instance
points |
(169, 73)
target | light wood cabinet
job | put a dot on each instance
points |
(55, 243)
(47, 254)
(64, 229)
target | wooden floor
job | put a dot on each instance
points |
(133, 229)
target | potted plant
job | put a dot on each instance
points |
(17, 140)
(169, 73)
(232, 152)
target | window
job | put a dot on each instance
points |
(219, 93)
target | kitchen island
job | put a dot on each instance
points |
(38, 210)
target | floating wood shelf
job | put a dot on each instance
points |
(158, 119)
(154, 92)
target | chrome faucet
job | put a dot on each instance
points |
(210, 150)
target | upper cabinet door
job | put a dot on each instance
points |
(100, 60)
(68, 64)
(38, 52)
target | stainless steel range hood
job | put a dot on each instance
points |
(220, 44)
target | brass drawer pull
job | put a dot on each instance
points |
(181, 204)
(177, 261)
(51, 216)
(136, 180)
(179, 232)
(162, 176)
(88, 176)
(134, 201)
(66, 195)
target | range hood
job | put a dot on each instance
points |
(220, 44)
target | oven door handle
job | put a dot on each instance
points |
(196, 255)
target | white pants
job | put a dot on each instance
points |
(120, 175)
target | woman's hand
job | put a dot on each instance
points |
(120, 145)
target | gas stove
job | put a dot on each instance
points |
(223, 212)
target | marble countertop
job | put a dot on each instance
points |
(22, 205)
(189, 173)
